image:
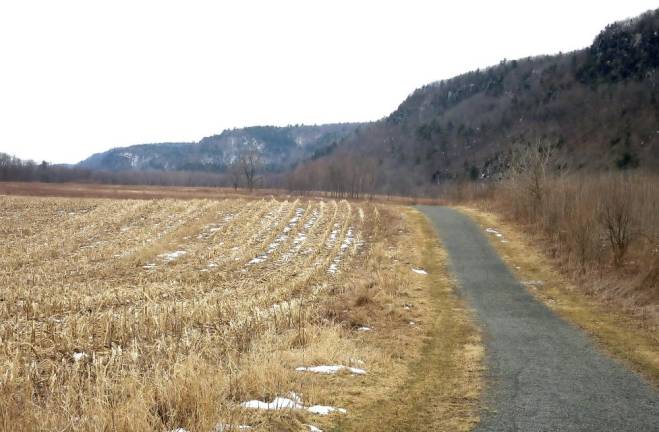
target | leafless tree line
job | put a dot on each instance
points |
(341, 177)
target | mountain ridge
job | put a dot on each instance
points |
(281, 147)
(595, 109)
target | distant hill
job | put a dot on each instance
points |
(281, 148)
(597, 107)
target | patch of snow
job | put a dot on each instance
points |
(325, 410)
(333, 268)
(79, 356)
(292, 402)
(332, 237)
(329, 370)
(276, 404)
(419, 271)
(348, 240)
(493, 231)
(313, 428)
(259, 259)
(225, 427)
(363, 329)
(132, 158)
(281, 238)
(171, 256)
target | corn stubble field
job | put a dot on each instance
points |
(165, 314)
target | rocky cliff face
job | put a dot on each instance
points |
(280, 147)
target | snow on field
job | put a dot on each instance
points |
(257, 260)
(171, 256)
(364, 329)
(313, 428)
(281, 238)
(348, 240)
(209, 230)
(334, 267)
(325, 410)
(330, 370)
(79, 356)
(312, 221)
(419, 271)
(331, 240)
(301, 238)
(225, 427)
(292, 402)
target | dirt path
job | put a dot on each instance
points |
(543, 373)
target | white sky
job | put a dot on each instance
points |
(78, 77)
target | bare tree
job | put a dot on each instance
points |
(617, 217)
(250, 163)
(235, 173)
(528, 171)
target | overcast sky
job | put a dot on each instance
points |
(78, 77)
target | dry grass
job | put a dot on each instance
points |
(594, 242)
(627, 333)
(99, 190)
(100, 331)
(602, 231)
(442, 386)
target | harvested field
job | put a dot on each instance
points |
(205, 315)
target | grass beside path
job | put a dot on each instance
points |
(442, 387)
(624, 336)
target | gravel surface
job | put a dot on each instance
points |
(543, 374)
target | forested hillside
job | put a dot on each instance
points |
(279, 148)
(594, 110)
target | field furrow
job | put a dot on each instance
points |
(105, 303)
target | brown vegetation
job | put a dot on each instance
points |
(93, 190)
(602, 234)
(164, 314)
(602, 229)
